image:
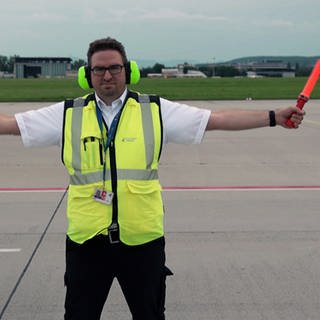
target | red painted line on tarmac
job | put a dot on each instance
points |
(184, 188)
(243, 187)
(32, 189)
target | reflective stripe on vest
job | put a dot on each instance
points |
(123, 174)
(137, 149)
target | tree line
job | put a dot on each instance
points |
(219, 70)
(7, 63)
(7, 66)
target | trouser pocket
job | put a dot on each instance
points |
(166, 273)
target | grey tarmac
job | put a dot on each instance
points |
(241, 215)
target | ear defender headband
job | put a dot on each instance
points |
(131, 69)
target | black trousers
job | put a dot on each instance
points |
(92, 266)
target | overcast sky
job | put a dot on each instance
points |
(202, 30)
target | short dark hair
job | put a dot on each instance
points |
(106, 44)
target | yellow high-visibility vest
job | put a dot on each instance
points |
(131, 170)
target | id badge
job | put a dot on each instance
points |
(103, 196)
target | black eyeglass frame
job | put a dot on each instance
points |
(113, 69)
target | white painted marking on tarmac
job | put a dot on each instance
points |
(10, 250)
(312, 122)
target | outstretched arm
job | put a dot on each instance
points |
(249, 119)
(8, 125)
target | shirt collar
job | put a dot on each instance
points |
(115, 103)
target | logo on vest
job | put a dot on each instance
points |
(128, 139)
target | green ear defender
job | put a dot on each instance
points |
(84, 78)
(131, 69)
(132, 72)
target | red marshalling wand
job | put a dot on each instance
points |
(306, 92)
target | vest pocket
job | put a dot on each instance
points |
(143, 187)
(92, 153)
(140, 212)
(86, 217)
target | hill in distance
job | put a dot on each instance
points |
(302, 61)
(145, 63)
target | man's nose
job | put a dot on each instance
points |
(107, 74)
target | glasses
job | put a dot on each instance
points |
(113, 69)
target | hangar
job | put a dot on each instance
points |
(268, 68)
(35, 67)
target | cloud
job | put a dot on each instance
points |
(177, 15)
(153, 16)
(170, 28)
(282, 23)
(48, 17)
(272, 23)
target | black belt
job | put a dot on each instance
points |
(113, 233)
(103, 239)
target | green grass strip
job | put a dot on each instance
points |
(15, 90)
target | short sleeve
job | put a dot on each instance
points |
(182, 123)
(42, 127)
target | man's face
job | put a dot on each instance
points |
(109, 85)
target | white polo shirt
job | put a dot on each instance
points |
(181, 123)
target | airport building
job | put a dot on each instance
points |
(268, 68)
(178, 72)
(46, 67)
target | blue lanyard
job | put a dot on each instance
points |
(111, 135)
(113, 127)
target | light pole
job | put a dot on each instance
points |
(213, 71)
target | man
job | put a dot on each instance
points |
(111, 142)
